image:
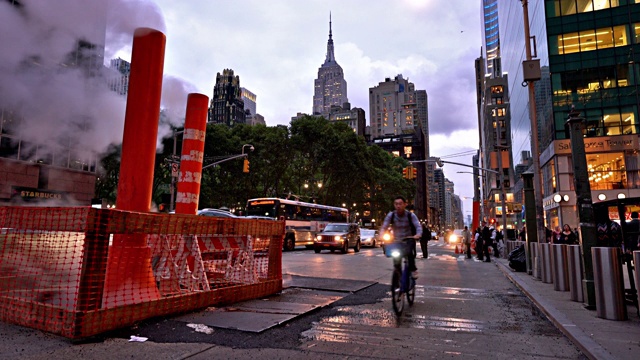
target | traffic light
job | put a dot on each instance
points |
(415, 173)
(405, 173)
(245, 166)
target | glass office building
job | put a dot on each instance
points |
(593, 52)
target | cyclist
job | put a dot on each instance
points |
(404, 224)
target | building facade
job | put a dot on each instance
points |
(226, 106)
(594, 56)
(410, 146)
(250, 108)
(118, 79)
(352, 117)
(330, 88)
(395, 106)
(496, 152)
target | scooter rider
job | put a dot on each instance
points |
(405, 224)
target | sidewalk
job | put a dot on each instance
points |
(597, 338)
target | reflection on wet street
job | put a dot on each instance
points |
(462, 308)
(337, 328)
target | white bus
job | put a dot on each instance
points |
(303, 220)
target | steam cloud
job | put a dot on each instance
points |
(48, 96)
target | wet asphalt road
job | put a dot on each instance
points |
(463, 309)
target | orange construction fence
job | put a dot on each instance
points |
(54, 263)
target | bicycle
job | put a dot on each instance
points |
(402, 283)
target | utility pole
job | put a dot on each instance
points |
(588, 232)
(536, 232)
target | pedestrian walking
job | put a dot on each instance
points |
(466, 237)
(498, 242)
(424, 241)
(480, 241)
(567, 236)
(488, 237)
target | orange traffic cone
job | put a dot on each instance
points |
(457, 250)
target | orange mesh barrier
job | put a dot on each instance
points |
(61, 273)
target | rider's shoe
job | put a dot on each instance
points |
(414, 274)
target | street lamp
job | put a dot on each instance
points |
(251, 148)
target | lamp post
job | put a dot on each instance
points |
(317, 187)
(584, 203)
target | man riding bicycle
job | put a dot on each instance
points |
(404, 224)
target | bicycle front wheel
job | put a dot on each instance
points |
(411, 293)
(397, 296)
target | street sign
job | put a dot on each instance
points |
(174, 169)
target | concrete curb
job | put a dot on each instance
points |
(584, 342)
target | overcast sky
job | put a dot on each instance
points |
(277, 46)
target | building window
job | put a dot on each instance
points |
(497, 89)
(408, 151)
(606, 171)
(589, 40)
(395, 153)
(570, 7)
(591, 80)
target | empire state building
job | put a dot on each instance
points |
(330, 86)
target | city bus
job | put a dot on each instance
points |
(302, 220)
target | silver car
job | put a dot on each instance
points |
(369, 237)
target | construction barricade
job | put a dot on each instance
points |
(61, 272)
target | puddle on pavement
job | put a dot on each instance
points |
(343, 327)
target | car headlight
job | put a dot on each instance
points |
(386, 237)
(338, 238)
(453, 238)
(319, 237)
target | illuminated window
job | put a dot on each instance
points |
(395, 153)
(496, 197)
(606, 171)
(408, 151)
(510, 197)
(497, 89)
(589, 40)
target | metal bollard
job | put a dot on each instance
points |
(546, 269)
(574, 259)
(560, 273)
(608, 281)
(535, 260)
(636, 271)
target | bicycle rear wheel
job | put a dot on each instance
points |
(397, 296)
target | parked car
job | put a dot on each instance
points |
(455, 237)
(369, 237)
(338, 236)
(216, 213)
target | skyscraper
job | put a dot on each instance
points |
(226, 105)
(491, 36)
(330, 86)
